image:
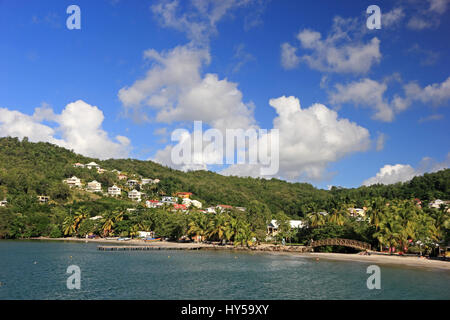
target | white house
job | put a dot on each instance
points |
(272, 228)
(147, 181)
(169, 200)
(436, 203)
(153, 204)
(94, 186)
(132, 183)
(146, 234)
(211, 210)
(73, 182)
(3, 203)
(92, 165)
(114, 191)
(100, 170)
(78, 165)
(357, 212)
(189, 202)
(96, 218)
(43, 199)
(134, 195)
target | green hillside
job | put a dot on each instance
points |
(29, 170)
(39, 168)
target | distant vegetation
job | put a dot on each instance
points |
(28, 170)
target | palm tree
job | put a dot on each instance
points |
(339, 216)
(72, 223)
(230, 229)
(199, 226)
(244, 235)
(218, 226)
(316, 219)
(375, 211)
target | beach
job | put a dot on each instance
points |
(374, 258)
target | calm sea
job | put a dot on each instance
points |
(37, 270)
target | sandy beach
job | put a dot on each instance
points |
(373, 258)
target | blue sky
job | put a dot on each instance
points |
(390, 96)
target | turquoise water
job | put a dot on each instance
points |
(199, 275)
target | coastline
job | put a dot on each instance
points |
(272, 249)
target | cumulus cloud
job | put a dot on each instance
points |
(392, 18)
(309, 139)
(200, 17)
(289, 58)
(365, 93)
(175, 90)
(390, 174)
(428, 14)
(78, 127)
(341, 51)
(370, 93)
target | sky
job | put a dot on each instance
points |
(353, 106)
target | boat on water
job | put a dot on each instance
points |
(152, 239)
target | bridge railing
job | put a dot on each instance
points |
(341, 242)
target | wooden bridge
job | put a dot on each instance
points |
(340, 242)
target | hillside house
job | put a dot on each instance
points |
(147, 181)
(169, 200)
(436, 203)
(43, 199)
(94, 186)
(134, 195)
(184, 195)
(272, 228)
(153, 204)
(78, 165)
(122, 176)
(181, 207)
(114, 191)
(211, 210)
(132, 183)
(357, 212)
(195, 203)
(73, 182)
(3, 203)
(223, 208)
(92, 165)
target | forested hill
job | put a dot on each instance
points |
(38, 169)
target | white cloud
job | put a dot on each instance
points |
(370, 93)
(289, 58)
(390, 174)
(309, 139)
(175, 89)
(392, 17)
(428, 14)
(342, 51)
(366, 93)
(438, 6)
(78, 127)
(200, 17)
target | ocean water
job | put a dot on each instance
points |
(37, 270)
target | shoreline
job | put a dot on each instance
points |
(354, 257)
